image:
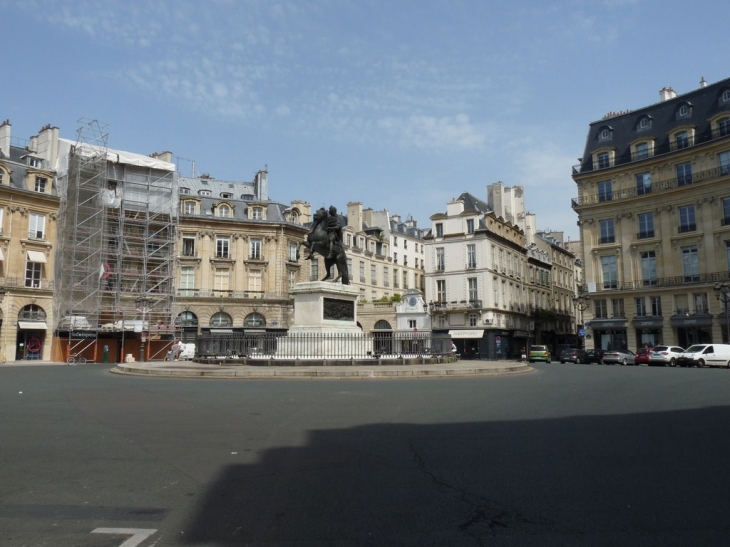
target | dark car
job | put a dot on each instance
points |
(571, 355)
(642, 356)
(593, 356)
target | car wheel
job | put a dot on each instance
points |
(672, 362)
(700, 363)
(624, 362)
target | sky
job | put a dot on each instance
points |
(398, 104)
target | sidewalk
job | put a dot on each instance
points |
(188, 369)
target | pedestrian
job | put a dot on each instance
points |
(524, 354)
(177, 349)
(453, 349)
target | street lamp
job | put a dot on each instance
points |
(722, 292)
(581, 303)
(142, 304)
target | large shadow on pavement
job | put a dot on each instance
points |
(646, 479)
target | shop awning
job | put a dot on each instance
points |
(36, 256)
(221, 331)
(32, 325)
(466, 333)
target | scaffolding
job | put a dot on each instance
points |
(117, 226)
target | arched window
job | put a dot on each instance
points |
(221, 319)
(255, 320)
(224, 211)
(32, 312)
(186, 319)
(382, 325)
(726, 95)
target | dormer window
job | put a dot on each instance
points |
(224, 211)
(40, 184)
(184, 190)
(684, 110)
(644, 123)
(605, 133)
(603, 159)
(247, 197)
(726, 96)
(226, 195)
(34, 162)
(190, 207)
(204, 193)
(257, 213)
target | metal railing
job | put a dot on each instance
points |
(693, 279)
(372, 345)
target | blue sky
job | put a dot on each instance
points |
(401, 105)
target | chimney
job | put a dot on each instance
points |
(5, 138)
(354, 215)
(48, 145)
(163, 156)
(664, 94)
(703, 82)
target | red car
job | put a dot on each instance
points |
(642, 356)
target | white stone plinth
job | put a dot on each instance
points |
(309, 305)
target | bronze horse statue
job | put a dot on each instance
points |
(317, 242)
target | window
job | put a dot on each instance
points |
(362, 271)
(396, 278)
(184, 190)
(646, 225)
(604, 160)
(727, 254)
(373, 275)
(440, 259)
(405, 243)
(682, 139)
(617, 307)
(439, 230)
(292, 279)
(189, 207)
(726, 95)
(690, 264)
(204, 193)
(441, 290)
(687, 219)
(226, 195)
(405, 279)
(473, 293)
(314, 269)
(470, 226)
(640, 306)
(257, 213)
(255, 249)
(724, 222)
(188, 245)
(221, 319)
(255, 320)
(724, 161)
(40, 184)
(471, 256)
(644, 123)
(643, 183)
(221, 279)
(607, 234)
(2, 216)
(610, 272)
(473, 319)
(224, 211)
(223, 247)
(36, 226)
(604, 134)
(700, 302)
(255, 279)
(648, 268)
(395, 258)
(35, 162)
(187, 281)
(656, 306)
(684, 173)
(684, 111)
(604, 191)
(33, 271)
(386, 276)
(642, 151)
(724, 127)
(395, 241)
(600, 310)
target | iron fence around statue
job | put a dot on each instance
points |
(375, 345)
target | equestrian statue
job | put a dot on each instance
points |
(325, 238)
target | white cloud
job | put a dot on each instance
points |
(433, 132)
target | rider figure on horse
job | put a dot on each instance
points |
(331, 224)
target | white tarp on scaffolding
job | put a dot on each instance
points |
(114, 156)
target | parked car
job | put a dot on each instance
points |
(705, 355)
(539, 353)
(642, 356)
(572, 355)
(665, 355)
(593, 356)
(619, 357)
(186, 354)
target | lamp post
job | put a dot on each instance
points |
(722, 292)
(142, 304)
(581, 303)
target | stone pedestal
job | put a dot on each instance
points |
(325, 307)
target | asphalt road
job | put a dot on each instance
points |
(567, 455)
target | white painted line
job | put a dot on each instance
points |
(138, 534)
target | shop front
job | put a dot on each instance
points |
(692, 329)
(609, 333)
(648, 331)
(470, 343)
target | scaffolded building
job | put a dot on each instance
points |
(115, 269)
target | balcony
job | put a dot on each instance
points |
(457, 305)
(678, 280)
(645, 234)
(603, 240)
(683, 229)
(622, 194)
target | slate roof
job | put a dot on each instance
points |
(19, 168)
(472, 203)
(663, 116)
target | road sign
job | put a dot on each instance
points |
(582, 333)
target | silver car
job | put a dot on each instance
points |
(619, 357)
(665, 356)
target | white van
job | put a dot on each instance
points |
(705, 355)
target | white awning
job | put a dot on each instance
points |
(32, 325)
(466, 333)
(36, 256)
(222, 331)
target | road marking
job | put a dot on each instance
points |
(138, 534)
